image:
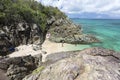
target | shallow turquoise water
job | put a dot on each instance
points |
(108, 31)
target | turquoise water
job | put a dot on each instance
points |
(107, 31)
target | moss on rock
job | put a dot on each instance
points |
(39, 69)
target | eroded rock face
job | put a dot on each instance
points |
(3, 75)
(63, 30)
(18, 67)
(89, 64)
(12, 36)
(22, 33)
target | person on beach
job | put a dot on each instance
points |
(48, 36)
(62, 43)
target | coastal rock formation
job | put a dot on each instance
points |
(18, 67)
(23, 25)
(61, 30)
(65, 31)
(28, 22)
(3, 75)
(13, 36)
(89, 64)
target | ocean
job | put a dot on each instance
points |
(106, 30)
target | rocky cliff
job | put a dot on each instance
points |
(28, 22)
(13, 36)
(17, 68)
(89, 64)
(65, 31)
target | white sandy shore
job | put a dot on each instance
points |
(49, 47)
(52, 47)
(24, 50)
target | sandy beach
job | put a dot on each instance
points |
(52, 47)
(48, 46)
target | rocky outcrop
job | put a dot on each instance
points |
(26, 26)
(18, 67)
(3, 75)
(12, 36)
(63, 30)
(89, 64)
(60, 29)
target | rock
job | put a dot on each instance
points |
(50, 21)
(63, 30)
(85, 39)
(44, 52)
(38, 59)
(89, 64)
(37, 47)
(3, 75)
(13, 36)
(4, 44)
(67, 69)
(61, 55)
(18, 67)
(76, 39)
(16, 73)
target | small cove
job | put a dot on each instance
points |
(106, 30)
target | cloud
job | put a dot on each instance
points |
(110, 8)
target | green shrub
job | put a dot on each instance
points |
(39, 69)
(29, 11)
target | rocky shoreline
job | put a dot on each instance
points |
(18, 67)
(26, 23)
(89, 64)
(61, 31)
(65, 31)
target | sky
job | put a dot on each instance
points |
(105, 9)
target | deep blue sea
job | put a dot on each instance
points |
(106, 30)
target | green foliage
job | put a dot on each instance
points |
(39, 69)
(29, 11)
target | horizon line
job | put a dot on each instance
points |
(94, 18)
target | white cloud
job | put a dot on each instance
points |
(107, 7)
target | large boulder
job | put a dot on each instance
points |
(18, 67)
(89, 64)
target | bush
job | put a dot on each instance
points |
(39, 69)
(29, 11)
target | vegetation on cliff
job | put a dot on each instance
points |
(29, 11)
(22, 21)
(28, 21)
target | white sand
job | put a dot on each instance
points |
(49, 47)
(24, 50)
